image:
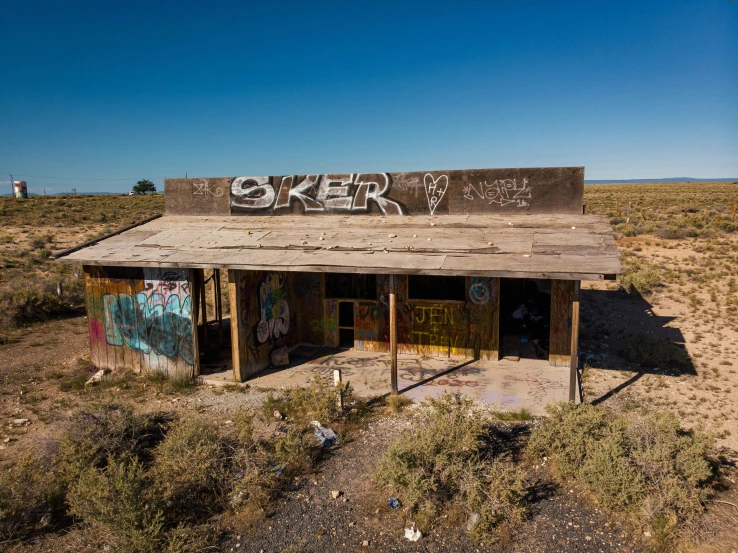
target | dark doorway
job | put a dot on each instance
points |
(346, 324)
(525, 318)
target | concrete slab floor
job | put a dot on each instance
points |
(508, 385)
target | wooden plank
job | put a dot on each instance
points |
(574, 367)
(393, 333)
(562, 298)
(238, 332)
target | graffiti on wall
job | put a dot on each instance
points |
(157, 319)
(435, 189)
(353, 192)
(479, 290)
(433, 326)
(275, 312)
(206, 189)
(503, 192)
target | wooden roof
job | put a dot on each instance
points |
(559, 246)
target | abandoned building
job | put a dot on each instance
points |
(474, 268)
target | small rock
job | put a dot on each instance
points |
(18, 422)
(278, 415)
(365, 543)
(647, 534)
(335, 494)
(392, 236)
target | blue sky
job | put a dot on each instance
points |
(119, 91)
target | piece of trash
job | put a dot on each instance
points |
(412, 533)
(18, 422)
(326, 437)
(647, 534)
(473, 519)
(335, 494)
(278, 470)
(394, 503)
(391, 236)
(523, 339)
(315, 424)
(278, 415)
(573, 228)
(97, 377)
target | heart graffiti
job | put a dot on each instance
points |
(434, 190)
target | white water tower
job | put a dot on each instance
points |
(20, 189)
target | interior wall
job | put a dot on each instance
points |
(141, 319)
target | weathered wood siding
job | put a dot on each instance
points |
(272, 309)
(433, 328)
(141, 319)
(562, 298)
(467, 191)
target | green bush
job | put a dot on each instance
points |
(28, 490)
(303, 404)
(640, 276)
(120, 498)
(24, 300)
(443, 463)
(191, 468)
(645, 466)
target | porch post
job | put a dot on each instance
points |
(204, 307)
(393, 334)
(574, 371)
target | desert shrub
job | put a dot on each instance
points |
(94, 435)
(640, 276)
(297, 450)
(28, 491)
(645, 466)
(25, 300)
(397, 402)
(306, 403)
(190, 539)
(120, 499)
(191, 469)
(650, 352)
(443, 462)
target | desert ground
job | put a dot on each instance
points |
(663, 339)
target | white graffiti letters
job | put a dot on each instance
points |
(435, 190)
(317, 193)
(206, 189)
(252, 192)
(503, 192)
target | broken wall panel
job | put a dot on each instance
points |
(141, 319)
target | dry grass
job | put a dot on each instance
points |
(36, 228)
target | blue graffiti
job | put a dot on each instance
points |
(150, 323)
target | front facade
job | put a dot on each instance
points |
(479, 264)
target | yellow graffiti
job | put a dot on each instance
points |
(437, 315)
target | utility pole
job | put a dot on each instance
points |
(12, 188)
(44, 191)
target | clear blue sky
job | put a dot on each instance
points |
(130, 90)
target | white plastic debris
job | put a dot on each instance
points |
(473, 520)
(412, 533)
(97, 377)
(315, 424)
(326, 437)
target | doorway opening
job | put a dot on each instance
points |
(346, 324)
(525, 318)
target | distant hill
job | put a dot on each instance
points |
(654, 181)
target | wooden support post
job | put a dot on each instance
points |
(393, 333)
(574, 372)
(204, 308)
(238, 342)
(217, 300)
(339, 387)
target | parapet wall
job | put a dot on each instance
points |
(459, 192)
